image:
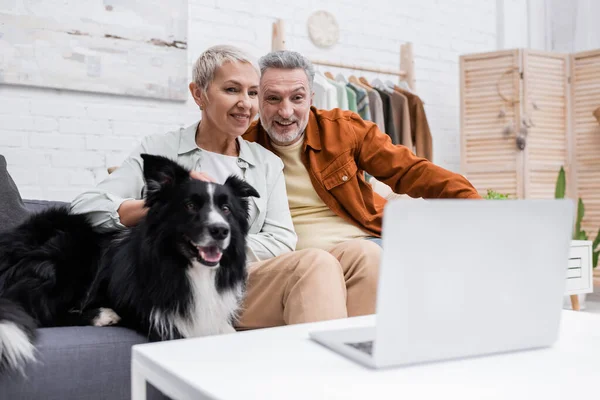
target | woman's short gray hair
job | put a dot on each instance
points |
(206, 65)
(287, 59)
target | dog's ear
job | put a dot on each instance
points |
(161, 175)
(240, 187)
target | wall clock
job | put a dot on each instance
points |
(323, 29)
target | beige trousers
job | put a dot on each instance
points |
(312, 285)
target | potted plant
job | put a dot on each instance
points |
(578, 233)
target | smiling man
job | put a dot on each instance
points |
(325, 153)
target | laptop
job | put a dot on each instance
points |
(463, 278)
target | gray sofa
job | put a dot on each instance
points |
(74, 362)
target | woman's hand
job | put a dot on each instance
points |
(202, 176)
(131, 212)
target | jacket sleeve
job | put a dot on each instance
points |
(277, 235)
(404, 172)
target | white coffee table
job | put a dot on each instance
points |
(283, 363)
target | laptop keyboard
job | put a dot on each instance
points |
(365, 347)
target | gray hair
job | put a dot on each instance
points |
(287, 59)
(206, 65)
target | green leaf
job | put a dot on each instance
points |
(596, 252)
(596, 241)
(493, 195)
(561, 185)
(580, 214)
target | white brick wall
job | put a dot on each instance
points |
(58, 143)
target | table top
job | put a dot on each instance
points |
(283, 363)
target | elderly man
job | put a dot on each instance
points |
(325, 153)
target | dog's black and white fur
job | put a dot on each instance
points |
(179, 273)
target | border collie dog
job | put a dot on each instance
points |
(180, 272)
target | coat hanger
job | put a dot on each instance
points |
(394, 88)
(341, 78)
(353, 79)
(389, 84)
(377, 83)
(403, 85)
(329, 75)
(365, 82)
(380, 85)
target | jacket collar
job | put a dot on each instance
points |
(313, 136)
(187, 143)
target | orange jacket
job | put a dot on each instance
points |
(339, 146)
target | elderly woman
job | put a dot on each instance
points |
(284, 286)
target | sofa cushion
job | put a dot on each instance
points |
(78, 363)
(12, 209)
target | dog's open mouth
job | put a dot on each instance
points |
(209, 255)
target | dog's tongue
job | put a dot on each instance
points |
(210, 253)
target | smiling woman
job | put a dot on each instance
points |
(284, 286)
(225, 88)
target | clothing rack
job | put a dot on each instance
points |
(407, 65)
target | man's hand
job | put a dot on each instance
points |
(202, 176)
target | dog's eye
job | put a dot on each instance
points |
(190, 206)
(225, 208)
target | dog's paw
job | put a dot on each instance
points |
(106, 317)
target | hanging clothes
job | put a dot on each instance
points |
(401, 117)
(350, 94)
(375, 103)
(362, 101)
(394, 108)
(351, 99)
(421, 134)
(376, 108)
(388, 111)
(325, 93)
(342, 96)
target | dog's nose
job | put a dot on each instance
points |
(218, 231)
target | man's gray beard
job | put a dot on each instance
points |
(280, 138)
